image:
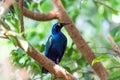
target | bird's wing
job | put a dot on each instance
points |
(61, 53)
(48, 45)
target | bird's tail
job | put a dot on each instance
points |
(44, 70)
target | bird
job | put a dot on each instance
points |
(56, 44)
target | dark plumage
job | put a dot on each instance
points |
(56, 44)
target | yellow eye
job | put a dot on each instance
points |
(59, 24)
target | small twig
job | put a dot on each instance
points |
(21, 17)
(60, 14)
(98, 1)
(3, 37)
(114, 45)
(117, 67)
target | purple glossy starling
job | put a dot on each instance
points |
(56, 44)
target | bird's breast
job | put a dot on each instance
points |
(59, 38)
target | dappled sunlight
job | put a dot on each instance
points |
(26, 25)
(2, 8)
(116, 18)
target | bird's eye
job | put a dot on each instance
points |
(59, 24)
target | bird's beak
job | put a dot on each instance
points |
(65, 23)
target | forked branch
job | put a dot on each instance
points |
(60, 13)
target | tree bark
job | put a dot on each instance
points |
(79, 41)
(60, 13)
(58, 71)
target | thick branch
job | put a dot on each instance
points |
(80, 42)
(33, 15)
(58, 71)
(114, 45)
(73, 32)
(39, 16)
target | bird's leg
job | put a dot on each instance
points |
(57, 61)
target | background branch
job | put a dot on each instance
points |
(114, 45)
(60, 13)
(98, 1)
(21, 16)
(114, 67)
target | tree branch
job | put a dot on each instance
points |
(34, 15)
(3, 37)
(79, 41)
(60, 13)
(98, 1)
(58, 71)
(21, 16)
(114, 67)
(114, 45)
(40, 16)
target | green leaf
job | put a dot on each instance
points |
(42, 47)
(46, 6)
(114, 76)
(117, 58)
(115, 61)
(67, 68)
(100, 58)
(23, 43)
(17, 10)
(87, 76)
(5, 24)
(13, 39)
(20, 51)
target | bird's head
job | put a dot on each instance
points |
(57, 27)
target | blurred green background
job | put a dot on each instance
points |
(95, 19)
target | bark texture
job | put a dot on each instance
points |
(59, 13)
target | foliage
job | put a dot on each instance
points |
(93, 19)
